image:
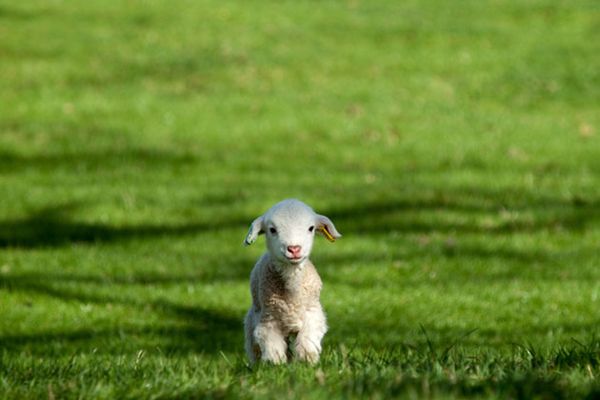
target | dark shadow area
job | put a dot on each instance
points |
(185, 328)
(400, 215)
(408, 269)
(38, 282)
(402, 332)
(188, 328)
(209, 332)
(51, 226)
(439, 250)
(198, 329)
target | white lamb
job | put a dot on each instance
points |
(285, 285)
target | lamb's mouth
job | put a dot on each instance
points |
(294, 260)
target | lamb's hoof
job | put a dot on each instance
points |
(275, 358)
(308, 355)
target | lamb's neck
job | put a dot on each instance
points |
(291, 274)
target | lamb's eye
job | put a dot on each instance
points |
(272, 230)
(312, 228)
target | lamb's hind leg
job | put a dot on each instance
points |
(252, 348)
(308, 341)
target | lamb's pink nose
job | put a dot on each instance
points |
(294, 250)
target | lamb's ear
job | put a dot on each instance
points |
(326, 228)
(256, 228)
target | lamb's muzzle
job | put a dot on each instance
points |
(285, 285)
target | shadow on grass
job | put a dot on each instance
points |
(52, 226)
(404, 332)
(199, 330)
(202, 329)
(451, 261)
(403, 215)
(183, 328)
(209, 330)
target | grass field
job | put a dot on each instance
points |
(456, 145)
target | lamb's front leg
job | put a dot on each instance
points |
(308, 341)
(272, 343)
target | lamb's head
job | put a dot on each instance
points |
(290, 228)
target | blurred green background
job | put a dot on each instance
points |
(456, 145)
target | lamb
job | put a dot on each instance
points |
(285, 286)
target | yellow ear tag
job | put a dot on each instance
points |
(327, 234)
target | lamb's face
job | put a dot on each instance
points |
(290, 227)
(290, 232)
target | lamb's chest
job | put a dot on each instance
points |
(288, 310)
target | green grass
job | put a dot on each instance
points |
(456, 145)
